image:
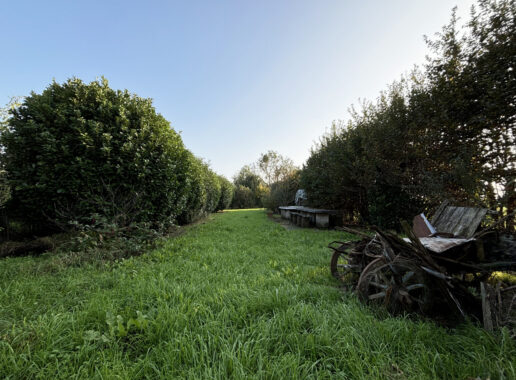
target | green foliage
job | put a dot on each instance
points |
(119, 329)
(5, 189)
(197, 193)
(283, 192)
(255, 183)
(243, 197)
(213, 189)
(13, 103)
(248, 177)
(444, 132)
(249, 188)
(208, 192)
(227, 191)
(104, 241)
(238, 297)
(274, 167)
(78, 148)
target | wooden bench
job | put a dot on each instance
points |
(306, 216)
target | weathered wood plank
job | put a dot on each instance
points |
(460, 221)
(486, 308)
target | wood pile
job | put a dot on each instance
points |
(403, 276)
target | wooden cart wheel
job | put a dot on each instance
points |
(339, 266)
(346, 266)
(400, 286)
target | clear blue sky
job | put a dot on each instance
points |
(235, 77)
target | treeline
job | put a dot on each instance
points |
(78, 153)
(445, 131)
(270, 182)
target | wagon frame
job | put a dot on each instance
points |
(443, 273)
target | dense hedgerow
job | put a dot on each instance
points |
(226, 193)
(213, 190)
(208, 192)
(78, 150)
(197, 195)
(447, 131)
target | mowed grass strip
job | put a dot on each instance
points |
(235, 297)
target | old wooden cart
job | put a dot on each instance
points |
(442, 273)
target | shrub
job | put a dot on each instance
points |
(248, 178)
(226, 193)
(213, 189)
(197, 192)
(243, 198)
(77, 149)
(282, 193)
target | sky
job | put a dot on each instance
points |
(236, 78)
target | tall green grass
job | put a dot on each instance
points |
(235, 297)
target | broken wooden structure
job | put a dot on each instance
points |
(441, 269)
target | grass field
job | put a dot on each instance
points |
(235, 297)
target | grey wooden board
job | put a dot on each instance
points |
(459, 221)
(308, 209)
(440, 245)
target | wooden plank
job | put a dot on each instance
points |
(460, 221)
(486, 308)
(439, 211)
(310, 210)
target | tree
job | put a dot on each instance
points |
(270, 180)
(473, 76)
(5, 190)
(443, 132)
(274, 167)
(247, 178)
(243, 197)
(282, 192)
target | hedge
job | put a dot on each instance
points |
(77, 150)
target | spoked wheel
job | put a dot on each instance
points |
(400, 286)
(339, 266)
(346, 266)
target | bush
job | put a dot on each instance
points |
(249, 179)
(107, 241)
(197, 195)
(213, 189)
(78, 149)
(226, 193)
(243, 198)
(206, 191)
(282, 193)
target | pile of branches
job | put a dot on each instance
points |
(403, 276)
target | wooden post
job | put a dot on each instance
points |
(486, 307)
